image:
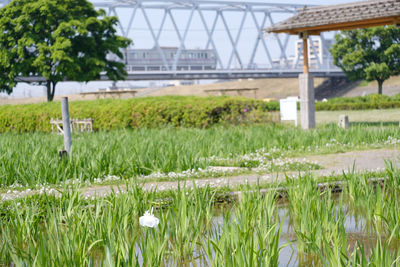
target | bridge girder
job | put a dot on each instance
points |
(257, 14)
(210, 13)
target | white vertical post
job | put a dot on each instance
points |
(344, 121)
(66, 124)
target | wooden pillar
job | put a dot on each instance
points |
(305, 54)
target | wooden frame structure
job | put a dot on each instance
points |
(77, 125)
(239, 91)
(314, 20)
(110, 94)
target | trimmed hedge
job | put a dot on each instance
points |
(373, 101)
(185, 111)
(357, 106)
(147, 112)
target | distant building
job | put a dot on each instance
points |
(317, 56)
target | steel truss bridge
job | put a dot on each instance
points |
(232, 29)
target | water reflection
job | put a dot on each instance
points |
(357, 229)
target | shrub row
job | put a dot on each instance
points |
(150, 112)
(357, 106)
(147, 112)
(376, 98)
(373, 101)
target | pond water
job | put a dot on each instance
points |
(358, 227)
(356, 230)
(355, 227)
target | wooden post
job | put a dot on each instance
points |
(305, 54)
(66, 124)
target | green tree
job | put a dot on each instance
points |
(369, 54)
(57, 40)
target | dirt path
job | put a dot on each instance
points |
(360, 161)
(332, 164)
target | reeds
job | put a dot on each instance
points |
(249, 234)
(69, 230)
(32, 159)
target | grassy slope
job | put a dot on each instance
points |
(277, 88)
(390, 87)
(268, 88)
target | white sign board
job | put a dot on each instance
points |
(288, 108)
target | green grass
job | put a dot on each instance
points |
(374, 117)
(31, 159)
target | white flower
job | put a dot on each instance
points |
(148, 219)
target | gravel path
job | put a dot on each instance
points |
(332, 164)
(336, 164)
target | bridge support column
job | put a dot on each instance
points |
(307, 102)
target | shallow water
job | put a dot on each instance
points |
(356, 230)
(355, 225)
(288, 256)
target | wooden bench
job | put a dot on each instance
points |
(239, 91)
(110, 94)
(77, 125)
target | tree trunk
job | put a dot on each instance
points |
(380, 83)
(51, 88)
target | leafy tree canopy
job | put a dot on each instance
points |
(368, 54)
(58, 40)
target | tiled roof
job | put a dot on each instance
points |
(351, 15)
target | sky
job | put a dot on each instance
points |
(314, 2)
(196, 38)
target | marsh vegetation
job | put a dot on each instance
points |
(30, 159)
(205, 226)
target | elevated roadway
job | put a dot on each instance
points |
(210, 75)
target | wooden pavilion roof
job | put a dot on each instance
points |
(362, 14)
